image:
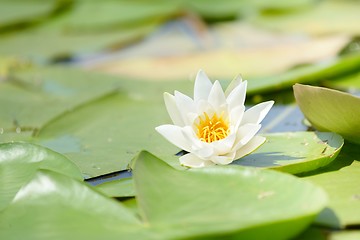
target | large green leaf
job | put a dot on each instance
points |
(341, 182)
(104, 136)
(330, 110)
(96, 120)
(19, 162)
(33, 96)
(87, 27)
(210, 9)
(23, 153)
(15, 13)
(306, 74)
(318, 20)
(247, 202)
(123, 187)
(108, 15)
(52, 206)
(303, 151)
(50, 41)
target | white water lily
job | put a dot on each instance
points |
(214, 127)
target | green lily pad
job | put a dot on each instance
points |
(55, 209)
(32, 96)
(330, 110)
(318, 20)
(247, 203)
(24, 153)
(19, 162)
(91, 16)
(123, 187)
(340, 180)
(57, 106)
(295, 152)
(340, 67)
(15, 13)
(104, 136)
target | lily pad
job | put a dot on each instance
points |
(103, 136)
(295, 152)
(20, 161)
(318, 20)
(56, 107)
(15, 13)
(191, 203)
(123, 187)
(340, 180)
(330, 110)
(54, 207)
(56, 210)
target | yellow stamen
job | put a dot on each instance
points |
(212, 129)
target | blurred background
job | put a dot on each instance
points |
(167, 40)
(73, 73)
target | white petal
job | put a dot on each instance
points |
(233, 84)
(217, 96)
(202, 86)
(225, 159)
(236, 116)
(251, 146)
(185, 105)
(257, 113)
(190, 160)
(174, 134)
(225, 145)
(244, 134)
(237, 96)
(173, 110)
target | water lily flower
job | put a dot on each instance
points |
(214, 127)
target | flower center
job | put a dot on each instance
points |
(212, 129)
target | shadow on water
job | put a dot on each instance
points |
(267, 159)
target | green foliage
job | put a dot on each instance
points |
(172, 204)
(304, 151)
(330, 110)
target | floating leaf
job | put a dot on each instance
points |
(295, 152)
(23, 153)
(92, 16)
(104, 136)
(318, 20)
(123, 187)
(246, 202)
(19, 162)
(54, 207)
(60, 105)
(307, 74)
(58, 207)
(33, 96)
(18, 13)
(341, 182)
(330, 110)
